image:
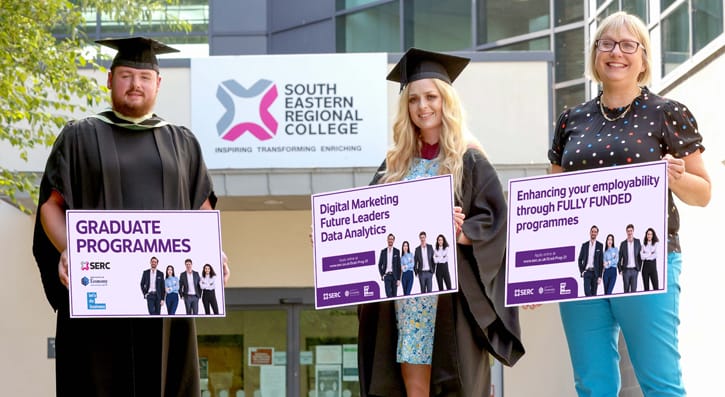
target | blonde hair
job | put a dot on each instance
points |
(635, 26)
(455, 139)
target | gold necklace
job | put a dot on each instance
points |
(601, 109)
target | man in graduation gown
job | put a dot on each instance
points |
(123, 158)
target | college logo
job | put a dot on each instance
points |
(229, 128)
(85, 281)
(86, 265)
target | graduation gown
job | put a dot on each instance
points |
(120, 356)
(469, 324)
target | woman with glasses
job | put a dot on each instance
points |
(626, 123)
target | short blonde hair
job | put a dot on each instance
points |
(635, 26)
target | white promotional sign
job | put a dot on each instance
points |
(552, 219)
(351, 229)
(110, 255)
(290, 111)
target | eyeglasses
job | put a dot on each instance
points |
(626, 46)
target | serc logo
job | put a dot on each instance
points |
(86, 265)
(229, 128)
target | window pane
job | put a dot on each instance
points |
(636, 7)
(438, 25)
(193, 12)
(611, 9)
(331, 330)
(675, 39)
(540, 44)
(345, 4)
(374, 29)
(707, 22)
(568, 11)
(568, 97)
(569, 52)
(499, 19)
(665, 3)
(224, 348)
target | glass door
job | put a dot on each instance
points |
(328, 353)
(244, 354)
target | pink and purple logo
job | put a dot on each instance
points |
(228, 128)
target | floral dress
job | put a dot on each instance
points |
(416, 316)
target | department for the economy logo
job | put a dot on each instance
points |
(229, 127)
(94, 281)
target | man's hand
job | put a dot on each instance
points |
(63, 268)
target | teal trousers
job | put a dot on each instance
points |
(649, 326)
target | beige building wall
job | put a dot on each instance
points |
(268, 248)
(28, 321)
(702, 324)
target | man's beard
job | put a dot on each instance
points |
(132, 110)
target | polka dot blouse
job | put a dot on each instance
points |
(647, 129)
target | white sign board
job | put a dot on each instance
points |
(290, 111)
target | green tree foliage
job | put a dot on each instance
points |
(40, 79)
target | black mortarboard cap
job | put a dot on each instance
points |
(417, 64)
(137, 52)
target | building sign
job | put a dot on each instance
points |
(290, 111)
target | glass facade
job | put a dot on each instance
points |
(249, 351)
(501, 19)
(529, 25)
(568, 11)
(438, 25)
(567, 97)
(231, 351)
(707, 22)
(636, 7)
(675, 38)
(354, 33)
(193, 13)
(569, 52)
(347, 4)
(560, 26)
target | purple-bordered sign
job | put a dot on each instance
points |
(351, 229)
(110, 255)
(550, 228)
